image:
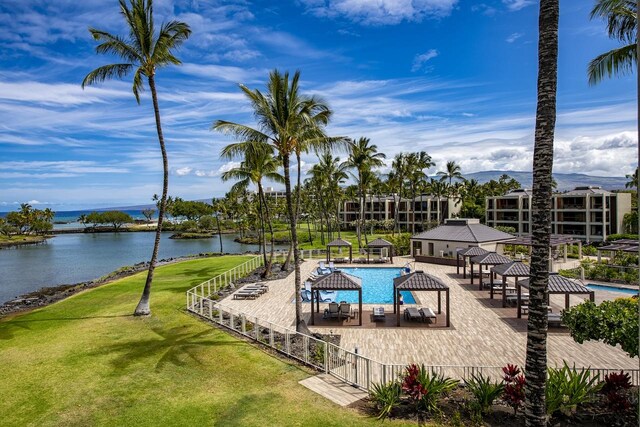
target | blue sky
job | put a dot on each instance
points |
(455, 78)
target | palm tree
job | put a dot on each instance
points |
(143, 52)
(621, 25)
(219, 208)
(362, 157)
(416, 163)
(536, 360)
(258, 164)
(287, 120)
(633, 180)
(396, 180)
(452, 171)
(438, 189)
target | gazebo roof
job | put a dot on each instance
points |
(419, 281)
(463, 230)
(560, 285)
(379, 243)
(339, 242)
(339, 281)
(490, 258)
(512, 269)
(555, 240)
(473, 251)
(625, 245)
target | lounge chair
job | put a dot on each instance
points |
(378, 314)
(345, 310)
(513, 298)
(332, 266)
(340, 260)
(257, 289)
(428, 314)
(333, 312)
(360, 260)
(554, 320)
(305, 296)
(246, 295)
(413, 314)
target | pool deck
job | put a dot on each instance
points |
(482, 333)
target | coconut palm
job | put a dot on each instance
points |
(451, 172)
(287, 120)
(363, 157)
(439, 190)
(143, 52)
(621, 17)
(258, 164)
(633, 180)
(396, 180)
(536, 360)
(416, 163)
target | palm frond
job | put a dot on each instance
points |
(115, 45)
(614, 62)
(138, 84)
(242, 132)
(106, 72)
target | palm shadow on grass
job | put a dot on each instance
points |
(9, 328)
(172, 346)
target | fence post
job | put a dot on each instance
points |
(326, 357)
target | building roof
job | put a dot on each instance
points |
(339, 242)
(556, 240)
(560, 285)
(590, 189)
(625, 245)
(339, 281)
(519, 192)
(490, 258)
(472, 251)
(419, 281)
(379, 243)
(512, 269)
(464, 232)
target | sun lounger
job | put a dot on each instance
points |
(332, 266)
(340, 260)
(305, 296)
(360, 260)
(257, 289)
(246, 295)
(428, 314)
(345, 310)
(333, 312)
(412, 313)
(554, 320)
(378, 314)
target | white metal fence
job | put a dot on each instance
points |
(324, 356)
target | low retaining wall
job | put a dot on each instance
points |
(435, 260)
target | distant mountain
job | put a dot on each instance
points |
(566, 181)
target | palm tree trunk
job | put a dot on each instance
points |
(269, 262)
(143, 308)
(536, 361)
(263, 236)
(219, 232)
(294, 239)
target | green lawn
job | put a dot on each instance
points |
(87, 361)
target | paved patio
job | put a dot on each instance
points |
(482, 333)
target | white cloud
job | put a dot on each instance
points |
(513, 37)
(205, 173)
(183, 171)
(514, 5)
(33, 202)
(420, 60)
(380, 12)
(226, 167)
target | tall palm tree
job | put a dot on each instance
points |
(416, 163)
(396, 180)
(451, 171)
(438, 189)
(536, 360)
(286, 120)
(621, 17)
(143, 52)
(258, 164)
(363, 157)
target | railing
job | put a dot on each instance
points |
(348, 366)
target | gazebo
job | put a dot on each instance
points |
(465, 254)
(339, 243)
(490, 258)
(555, 241)
(514, 269)
(380, 244)
(420, 281)
(335, 281)
(558, 285)
(623, 245)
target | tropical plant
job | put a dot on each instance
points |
(144, 52)
(385, 397)
(484, 391)
(615, 388)
(424, 388)
(514, 383)
(536, 356)
(116, 218)
(452, 171)
(396, 181)
(289, 122)
(568, 388)
(416, 164)
(633, 180)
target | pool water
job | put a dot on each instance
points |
(377, 286)
(595, 287)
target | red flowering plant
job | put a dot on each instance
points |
(514, 383)
(411, 384)
(615, 389)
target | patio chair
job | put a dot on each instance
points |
(413, 314)
(345, 310)
(554, 320)
(333, 312)
(428, 314)
(246, 295)
(305, 296)
(378, 314)
(258, 289)
(332, 266)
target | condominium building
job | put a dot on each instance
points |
(423, 210)
(588, 213)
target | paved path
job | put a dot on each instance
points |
(334, 389)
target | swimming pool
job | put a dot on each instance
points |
(377, 286)
(628, 291)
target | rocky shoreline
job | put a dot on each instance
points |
(49, 295)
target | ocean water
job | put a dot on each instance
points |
(377, 286)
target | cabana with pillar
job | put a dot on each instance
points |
(486, 260)
(335, 281)
(339, 243)
(515, 269)
(555, 241)
(420, 281)
(558, 285)
(465, 254)
(381, 245)
(622, 245)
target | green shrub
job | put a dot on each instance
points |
(385, 397)
(424, 388)
(568, 388)
(484, 391)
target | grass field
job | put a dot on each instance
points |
(86, 361)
